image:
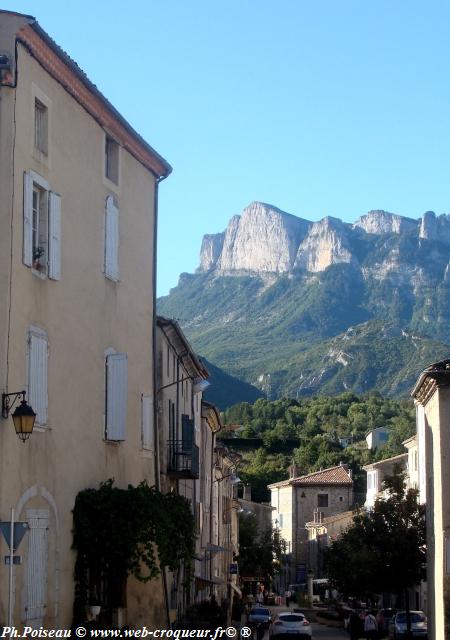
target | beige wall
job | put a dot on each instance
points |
(437, 416)
(83, 314)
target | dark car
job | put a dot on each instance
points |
(260, 615)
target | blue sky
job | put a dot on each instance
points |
(318, 107)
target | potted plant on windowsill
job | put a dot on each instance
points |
(38, 252)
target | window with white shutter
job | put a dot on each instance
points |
(41, 226)
(36, 567)
(147, 421)
(111, 264)
(116, 396)
(38, 374)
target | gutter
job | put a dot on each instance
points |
(157, 462)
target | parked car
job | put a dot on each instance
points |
(290, 624)
(260, 615)
(384, 616)
(397, 626)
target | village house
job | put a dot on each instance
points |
(377, 472)
(78, 208)
(295, 502)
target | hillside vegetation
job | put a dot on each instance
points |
(307, 431)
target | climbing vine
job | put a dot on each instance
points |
(118, 532)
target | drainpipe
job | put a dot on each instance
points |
(157, 464)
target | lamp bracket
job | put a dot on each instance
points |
(7, 404)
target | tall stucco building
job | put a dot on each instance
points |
(78, 199)
(432, 399)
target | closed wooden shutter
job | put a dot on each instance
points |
(38, 374)
(36, 585)
(187, 432)
(116, 396)
(147, 423)
(54, 263)
(111, 240)
(27, 219)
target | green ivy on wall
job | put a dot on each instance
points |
(118, 532)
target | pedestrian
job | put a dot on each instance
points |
(354, 626)
(288, 597)
(370, 626)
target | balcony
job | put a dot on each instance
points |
(182, 459)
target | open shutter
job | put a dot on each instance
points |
(27, 219)
(112, 240)
(38, 372)
(147, 431)
(54, 234)
(116, 396)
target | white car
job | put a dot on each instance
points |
(290, 624)
(419, 627)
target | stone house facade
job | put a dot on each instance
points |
(295, 502)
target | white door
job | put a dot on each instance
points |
(36, 585)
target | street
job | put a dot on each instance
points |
(318, 630)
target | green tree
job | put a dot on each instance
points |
(384, 549)
(260, 552)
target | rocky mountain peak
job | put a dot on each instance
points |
(262, 239)
(379, 221)
(265, 239)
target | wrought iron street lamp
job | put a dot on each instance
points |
(23, 416)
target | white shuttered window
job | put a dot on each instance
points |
(38, 373)
(111, 265)
(116, 396)
(41, 226)
(147, 422)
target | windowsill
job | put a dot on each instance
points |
(41, 428)
(39, 274)
(147, 453)
(114, 443)
(111, 185)
(111, 278)
(41, 157)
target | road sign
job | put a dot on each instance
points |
(20, 529)
(16, 560)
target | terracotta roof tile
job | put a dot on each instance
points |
(332, 475)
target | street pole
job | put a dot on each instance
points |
(11, 566)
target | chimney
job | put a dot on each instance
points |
(247, 495)
(294, 471)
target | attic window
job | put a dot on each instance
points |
(111, 159)
(40, 126)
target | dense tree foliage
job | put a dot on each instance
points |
(260, 551)
(309, 431)
(384, 550)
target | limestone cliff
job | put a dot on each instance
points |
(379, 221)
(325, 244)
(435, 228)
(262, 239)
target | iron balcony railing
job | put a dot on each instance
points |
(182, 459)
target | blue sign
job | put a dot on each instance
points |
(20, 529)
